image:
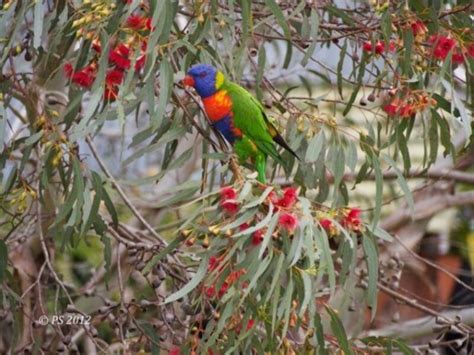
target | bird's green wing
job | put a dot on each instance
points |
(249, 117)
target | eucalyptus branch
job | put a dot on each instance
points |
(122, 193)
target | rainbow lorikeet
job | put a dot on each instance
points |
(238, 116)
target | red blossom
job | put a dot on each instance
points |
(96, 46)
(379, 47)
(230, 206)
(288, 199)
(140, 63)
(352, 219)
(457, 57)
(418, 28)
(470, 50)
(225, 286)
(137, 23)
(111, 93)
(114, 77)
(174, 350)
(326, 223)
(148, 24)
(391, 109)
(244, 226)
(249, 326)
(210, 291)
(288, 221)
(367, 46)
(68, 69)
(84, 77)
(272, 197)
(442, 46)
(406, 111)
(257, 237)
(234, 276)
(214, 263)
(120, 56)
(228, 193)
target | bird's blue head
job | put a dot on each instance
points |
(205, 79)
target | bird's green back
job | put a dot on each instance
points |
(249, 117)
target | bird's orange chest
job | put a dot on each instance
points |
(218, 105)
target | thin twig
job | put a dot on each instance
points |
(122, 193)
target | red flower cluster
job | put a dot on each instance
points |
(379, 47)
(287, 200)
(119, 58)
(228, 200)
(442, 45)
(214, 263)
(210, 291)
(257, 237)
(288, 221)
(250, 325)
(326, 223)
(418, 28)
(400, 108)
(411, 103)
(84, 77)
(139, 23)
(350, 220)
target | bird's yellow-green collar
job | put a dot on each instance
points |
(220, 78)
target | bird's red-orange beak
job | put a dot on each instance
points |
(188, 81)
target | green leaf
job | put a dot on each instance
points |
(285, 306)
(166, 85)
(355, 91)
(340, 66)
(110, 206)
(34, 138)
(38, 23)
(3, 260)
(339, 332)
(170, 135)
(313, 35)
(378, 190)
(192, 284)
(401, 181)
(314, 147)
(280, 17)
(262, 59)
(320, 335)
(308, 292)
(444, 131)
(381, 233)
(407, 45)
(107, 257)
(371, 255)
(326, 262)
(93, 213)
(276, 276)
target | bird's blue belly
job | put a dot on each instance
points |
(226, 128)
